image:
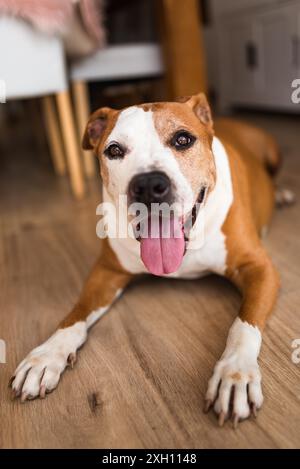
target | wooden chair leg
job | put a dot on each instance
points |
(82, 111)
(70, 138)
(53, 135)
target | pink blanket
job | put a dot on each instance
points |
(55, 16)
(48, 15)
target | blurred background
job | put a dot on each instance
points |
(61, 60)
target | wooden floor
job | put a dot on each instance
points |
(141, 378)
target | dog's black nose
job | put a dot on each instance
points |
(152, 187)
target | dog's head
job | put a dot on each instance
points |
(159, 153)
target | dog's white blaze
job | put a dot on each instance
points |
(207, 250)
(135, 130)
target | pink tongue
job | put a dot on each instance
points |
(162, 245)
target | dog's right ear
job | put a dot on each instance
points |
(95, 128)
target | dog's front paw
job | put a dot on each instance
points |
(234, 390)
(40, 371)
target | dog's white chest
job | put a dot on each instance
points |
(210, 258)
(206, 251)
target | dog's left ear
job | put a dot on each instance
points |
(201, 108)
(95, 128)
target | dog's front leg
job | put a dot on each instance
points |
(40, 371)
(235, 387)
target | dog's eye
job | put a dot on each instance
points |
(114, 151)
(182, 140)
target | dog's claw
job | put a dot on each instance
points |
(254, 410)
(10, 382)
(72, 359)
(24, 396)
(235, 421)
(42, 392)
(222, 417)
(207, 405)
(14, 394)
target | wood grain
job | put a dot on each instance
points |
(141, 378)
(182, 45)
(71, 142)
(82, 111)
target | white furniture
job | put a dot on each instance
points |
(32, 65)
(119, 62)
(259, 54)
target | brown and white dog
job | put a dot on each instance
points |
(171, 152)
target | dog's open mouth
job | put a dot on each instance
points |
(164, 238)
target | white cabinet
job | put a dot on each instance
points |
(278, 47)
(259, 51)
(242, 61)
